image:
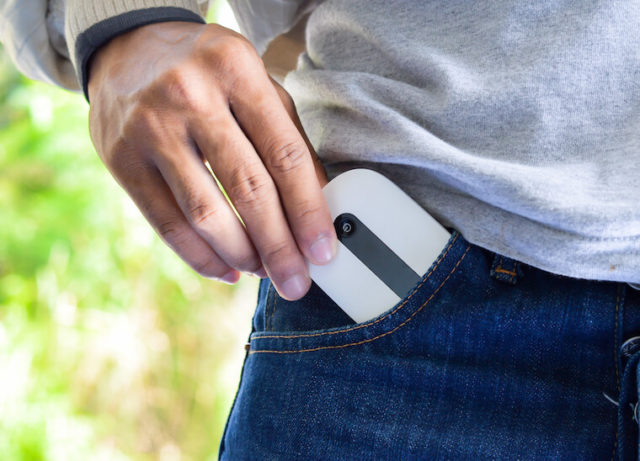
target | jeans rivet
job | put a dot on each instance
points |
(630, 346)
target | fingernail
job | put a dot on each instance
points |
(296, 286)
(322, 250)
(231, 277)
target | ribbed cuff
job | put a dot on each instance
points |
(91, 24)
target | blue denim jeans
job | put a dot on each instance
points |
(486, 358)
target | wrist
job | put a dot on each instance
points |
(130, 54)
(97, 36)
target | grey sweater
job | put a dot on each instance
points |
(517, 123)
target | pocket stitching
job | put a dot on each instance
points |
(368, 340)
(424, 279)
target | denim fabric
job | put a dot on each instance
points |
(486, 358)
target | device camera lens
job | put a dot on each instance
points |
(346, 227)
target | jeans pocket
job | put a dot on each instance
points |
(314, 311)
(315, 322)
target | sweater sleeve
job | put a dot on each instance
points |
(90, 24)
(53, 40)
(32, 34)
(263, 20)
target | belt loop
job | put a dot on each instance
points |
(506, 270)
(628, 407)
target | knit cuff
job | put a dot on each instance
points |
(91, 24)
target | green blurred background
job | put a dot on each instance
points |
(110, 346)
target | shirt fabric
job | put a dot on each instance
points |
(516, 123)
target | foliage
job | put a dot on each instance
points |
(110, 346)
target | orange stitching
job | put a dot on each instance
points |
(426, 277)
(504, 271)
(342, 346)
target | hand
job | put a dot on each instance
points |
(167, 98)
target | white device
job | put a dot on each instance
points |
(386, 243)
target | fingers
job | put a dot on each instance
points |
(205, 207)
(155, 200)
(254, 194)
(289, 161)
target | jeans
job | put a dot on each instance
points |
(486, 358)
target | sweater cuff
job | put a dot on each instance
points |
(91, 24)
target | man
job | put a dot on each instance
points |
(514, 124)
